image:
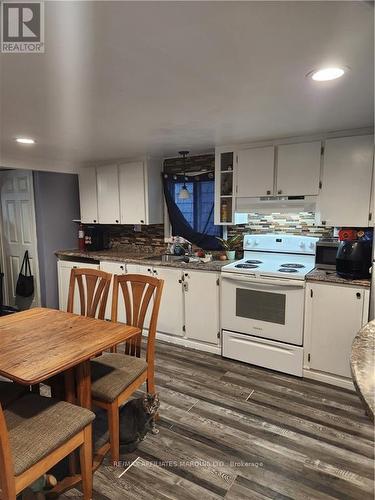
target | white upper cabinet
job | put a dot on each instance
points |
(88, 195)
(127, 194)
(344, 199)
(298, 169)
(141, 197)
(255, 172)
(132, 193)
(108, 194)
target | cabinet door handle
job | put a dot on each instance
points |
(358, 295)
(186, 286)
(180, 281)
(142, 221)
(116, 221)
(122, 268)
(279, 191)
(155, 272)
(268, 192)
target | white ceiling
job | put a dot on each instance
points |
(120, 79)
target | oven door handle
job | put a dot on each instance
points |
(264, 281)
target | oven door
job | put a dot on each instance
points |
(263, 307)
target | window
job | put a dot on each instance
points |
(198, 210)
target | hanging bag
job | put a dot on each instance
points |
(25, 282)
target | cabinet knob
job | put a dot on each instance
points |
(122, 267)
(117, 221)
(279, 191)
(94, 220)
(180, 281)
(324, 222)
(149, 270)
(358, 295)
(268, 192)
(142, 221)
(155, 272)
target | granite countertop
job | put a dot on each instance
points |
(134, 257)
(362, 362)
(333, 277)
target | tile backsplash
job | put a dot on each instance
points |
(302, 223)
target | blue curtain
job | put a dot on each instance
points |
(193, 218)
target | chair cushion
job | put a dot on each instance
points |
(38, 425)
(10, 391)
(112, 373)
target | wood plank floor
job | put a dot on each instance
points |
(234, 431)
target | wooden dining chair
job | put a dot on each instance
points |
(35, 434)
(116, 376)
(93, 288)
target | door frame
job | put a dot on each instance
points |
(36, 299)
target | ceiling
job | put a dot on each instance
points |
(121, 79)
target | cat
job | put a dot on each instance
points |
(137, 417)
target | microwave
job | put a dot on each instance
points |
(325, 257)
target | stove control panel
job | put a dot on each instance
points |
(283, 243)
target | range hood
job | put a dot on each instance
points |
(276, 204)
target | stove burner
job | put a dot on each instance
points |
(246, 266)
(293, 266)
(288, 270)
(253, 262)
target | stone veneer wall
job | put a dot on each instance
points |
(149, 240)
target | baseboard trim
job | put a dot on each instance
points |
(345, 383)
(189, 343)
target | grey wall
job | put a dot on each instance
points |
(56, 205)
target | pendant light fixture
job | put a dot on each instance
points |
(184, 192)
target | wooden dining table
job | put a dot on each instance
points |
(40, 343)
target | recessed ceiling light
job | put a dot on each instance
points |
(25, 140)
(326, 74)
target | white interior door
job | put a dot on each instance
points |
(18, 233)
(255, 172)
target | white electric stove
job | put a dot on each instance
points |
(263, 298)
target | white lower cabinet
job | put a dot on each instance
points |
(333, 316)
(201, 292)
(114, 268)
(64, 268)
(171, 313)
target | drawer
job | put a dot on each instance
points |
(262, 352)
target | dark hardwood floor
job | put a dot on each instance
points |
(234, 431)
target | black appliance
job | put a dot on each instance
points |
(353, 259)
(95, 239)
(325, 256)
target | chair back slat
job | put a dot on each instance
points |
(93, 288)
(137, 292)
